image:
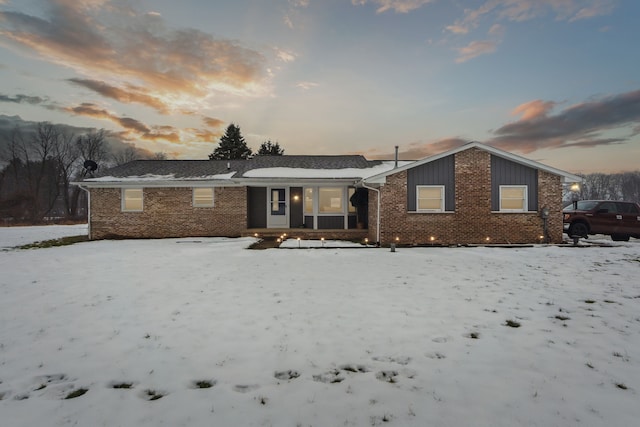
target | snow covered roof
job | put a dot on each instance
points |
(260, 167)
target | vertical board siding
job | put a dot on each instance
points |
(506, 172)
(308, 221)
(257, 207)
(330, 222)
(296, 218)
(438, 172)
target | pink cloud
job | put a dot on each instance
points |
(533, 109)
(475, 49)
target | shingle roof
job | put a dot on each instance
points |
(207, 168)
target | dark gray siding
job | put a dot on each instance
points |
(257, 207)
(438, 172)
(295, 207)
(330, 222)
(506, 172)
(308, 221)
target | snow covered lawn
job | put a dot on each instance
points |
(17, 236)
(318, 337)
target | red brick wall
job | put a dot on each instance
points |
(473, 221)
(168, 212)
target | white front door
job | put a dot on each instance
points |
(277, 207)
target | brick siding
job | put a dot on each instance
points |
(168, 212)
(473, 221)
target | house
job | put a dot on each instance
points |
(471, 194)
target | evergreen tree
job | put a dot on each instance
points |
(269, 148)
(232, 146)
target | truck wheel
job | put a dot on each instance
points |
(620, 237)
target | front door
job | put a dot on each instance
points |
(277, 207)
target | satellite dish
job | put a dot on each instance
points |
(90, 165)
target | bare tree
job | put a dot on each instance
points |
(92, 146)
(66, 156)
(125, 156)
(621, 186)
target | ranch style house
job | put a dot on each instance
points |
(473, 194)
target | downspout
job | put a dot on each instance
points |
(88, 210)
(377, 210)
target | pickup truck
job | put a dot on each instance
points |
(620, 220)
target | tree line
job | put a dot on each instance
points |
(38, 166)
(600, 186)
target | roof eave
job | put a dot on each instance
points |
(567, 177)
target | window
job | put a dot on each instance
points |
(308, 201)
(430, 198)
(513, 198)
(203, 197)
(330, 200)
(132, 199)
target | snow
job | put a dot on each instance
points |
(319, 337)
(152, 177)
(321, 173)
(16, 236)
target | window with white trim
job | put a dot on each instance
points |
(132, 199)
(513, 198)
(203, 197)
(308, 201)
(430, 198)
(330, 200)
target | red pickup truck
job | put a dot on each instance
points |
(618, 219)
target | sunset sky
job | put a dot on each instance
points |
(557, 81)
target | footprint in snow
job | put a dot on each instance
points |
(245, 388)
(350, 367)
(387, 376)
(331, 377)
(435, 355)
(400, 360)
(286, 375)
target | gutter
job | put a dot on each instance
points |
(88, 208)
(377, 210)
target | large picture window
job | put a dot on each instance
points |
(430, 198)
(330, 200)
(203, 197)
(132, 199)
(513, 198)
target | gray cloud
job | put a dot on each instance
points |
(23, 99)
(100, 39)
(578, 125)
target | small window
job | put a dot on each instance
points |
(203, 197)
(513, 198)
(132, 199)
(430, 198)
(308, 201)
